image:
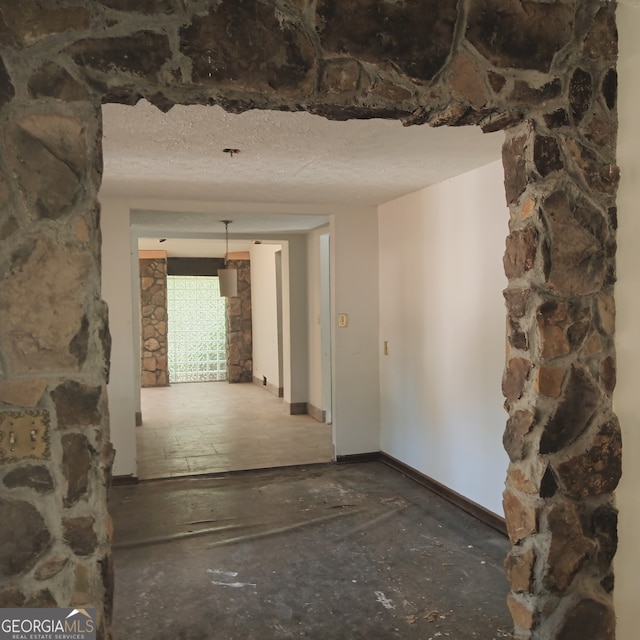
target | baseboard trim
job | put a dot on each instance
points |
(462, 502)
(356, 458)
(297, 408)
(319, 415)
(119, 481)
(274, 390)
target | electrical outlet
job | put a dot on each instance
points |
(343, 320)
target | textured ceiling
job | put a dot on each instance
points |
(284, 157)
(287, 158)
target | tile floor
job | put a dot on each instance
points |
(213, 427)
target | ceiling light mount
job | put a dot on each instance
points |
(231, 152)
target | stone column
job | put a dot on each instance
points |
(562, 436)
(239, 333)
(153, 319)
(54, 358)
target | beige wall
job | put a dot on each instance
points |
(443, 315)
(318, 318)
(265, 313)
(627, 564)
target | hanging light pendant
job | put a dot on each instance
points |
(228, 277)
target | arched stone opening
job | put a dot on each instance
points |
(542, 72)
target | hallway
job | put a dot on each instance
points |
(214, 427)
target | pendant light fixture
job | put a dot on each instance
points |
(228, 277)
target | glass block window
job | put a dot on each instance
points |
(196, 329)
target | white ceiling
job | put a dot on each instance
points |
(286, 158)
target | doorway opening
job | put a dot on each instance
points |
(199, 423)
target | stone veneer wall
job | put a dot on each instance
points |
(544, 72)
(153, 319)
(239, 331)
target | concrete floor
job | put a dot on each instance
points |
(212, 427)
(327, 552)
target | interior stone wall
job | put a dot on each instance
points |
(544, 72)
(239, 326)
(153, 320)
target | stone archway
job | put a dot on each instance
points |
(543, 72)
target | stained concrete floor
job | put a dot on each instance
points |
(328, 552)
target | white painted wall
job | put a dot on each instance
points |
(264, 311)
(354, 279)
(443, 315)
(325, 322)
(116, 290)
(627, 562)
(316, 274)
(295, 319)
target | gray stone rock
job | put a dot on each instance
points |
(23, 393)
(520, 252)
(597, 470)
(514, 378)
(580, 93)
(143, 6)
(415, 37)
(546, 155)
(9, 225)
(504, 31)
(48, 155)
(12, 598)
(580, 403)
(519, 568)
(7, 90)
(515, 441)
(568, 547)
(604, 524)
(517, 301)
(246, 46)
(515, 169)
(598, 175)
(80, 535)
(50, 568)
(79, 345)
(556, 119)
(523, 92)
(36, 477)
(610, 88)
(41, 600)
(25, 23)
(601, 41)
(76, 464)
(590, 618)
(24, 537)
(575, 263)
(36, 339)
(141, 54)
(521, 516)
(77, 404)
(55, 81)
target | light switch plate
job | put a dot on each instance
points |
(24, 435)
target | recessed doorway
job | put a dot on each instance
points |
(216, 427)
